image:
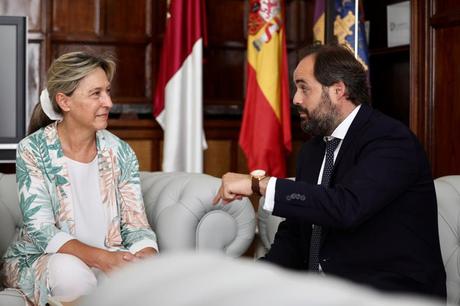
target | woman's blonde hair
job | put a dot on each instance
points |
(64, 75)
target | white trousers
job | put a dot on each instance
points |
(69, 277)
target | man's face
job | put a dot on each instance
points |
(319, 114)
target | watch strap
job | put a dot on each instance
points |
(255, 185)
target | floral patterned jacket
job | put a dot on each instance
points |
(45, 200)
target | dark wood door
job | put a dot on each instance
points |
(435, 74)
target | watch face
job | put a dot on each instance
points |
(258, 173)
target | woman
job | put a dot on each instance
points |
(79, 188)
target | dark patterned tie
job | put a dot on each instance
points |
(315, 241)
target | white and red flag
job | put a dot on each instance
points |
(178, 102)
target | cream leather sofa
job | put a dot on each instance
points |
(178, 207)
(448, 196)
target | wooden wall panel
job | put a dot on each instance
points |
(292, 158)
(242, 165)
(446, 6)
(223, 73)
(159, 16)
(446, 154)
(226, 21)
(225, 56)
(299, 22)
(435, 69)
(299, 33)
(146, 138)
(129, 18)
(133, 72)
(394, 102)
(72, 18)
(158, 21)
(144, 152)
(217, 158)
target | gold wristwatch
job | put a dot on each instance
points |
(256, 177)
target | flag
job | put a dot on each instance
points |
(345, 30)
(319, 21)
(265, 135)
(178, 101)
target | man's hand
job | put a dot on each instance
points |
(234, 187)
(145, 253)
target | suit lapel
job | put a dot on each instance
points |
(360, 120)
(358, 123)
(311, 161)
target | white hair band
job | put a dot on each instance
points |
(47, 106)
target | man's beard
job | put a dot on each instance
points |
(323, 119)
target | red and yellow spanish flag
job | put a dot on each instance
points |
(265, 135)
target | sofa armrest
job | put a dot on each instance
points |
(180, 211)
(10, 214)
(267, 226)
(448, 198)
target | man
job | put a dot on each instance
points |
(365, 208)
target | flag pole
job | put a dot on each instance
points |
(356, 28)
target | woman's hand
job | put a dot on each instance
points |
(145, 253)
(109, 261)
(102, 259)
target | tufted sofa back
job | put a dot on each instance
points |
(179, 208)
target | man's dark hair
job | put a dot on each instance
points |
(334, 63)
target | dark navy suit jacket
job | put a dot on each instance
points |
(379, 215)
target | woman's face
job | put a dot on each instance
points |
(90, 103)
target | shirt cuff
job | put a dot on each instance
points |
(145, 243)
(269, 201)
(57, 242)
